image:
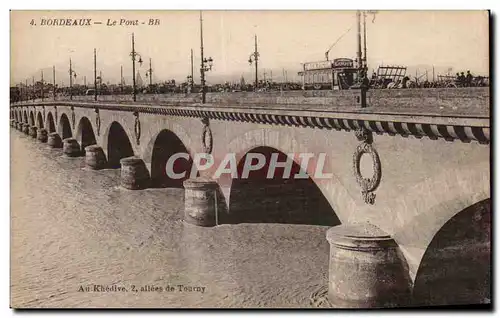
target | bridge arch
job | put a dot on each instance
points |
(278, 199)
(64, 127)
(39, 120)
(117, 144)
(158, 148)
(158, 127)
(166, 143)
(32, 119)
(418, 215)
(50, 123)
(85, 133)
(332, 189)
(455, 268)
(26, 117)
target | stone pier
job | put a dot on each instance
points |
(199, 201)
(42, 135)
(71, 148)
(366, 268)
(32, 131)
(134, 173)
(94, 157)
(54, 140)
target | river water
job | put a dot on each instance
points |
(73, 228)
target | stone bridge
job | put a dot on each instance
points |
(413, 169)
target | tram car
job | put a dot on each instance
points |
(337, 74)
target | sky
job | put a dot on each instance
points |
(417, 39)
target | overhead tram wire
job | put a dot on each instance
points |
(337, 41)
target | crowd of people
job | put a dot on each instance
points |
(464, 80)
(461, 80)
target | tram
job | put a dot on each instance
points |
(337, 74)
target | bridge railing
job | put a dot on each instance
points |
(465, 101)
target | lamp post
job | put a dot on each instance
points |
(190, 82)
(95, 74)
(54, 80)
(149, 73)
(365, 62)
(190, 78)
(134, 54)
(121, 78)
(254, 57)
(206, 64)
(42, 86)
(71, 74)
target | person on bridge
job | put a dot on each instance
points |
(365, 82)
(469, 78)
(462, 79)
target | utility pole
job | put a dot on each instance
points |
(202, 69)
(206, 64)
(365, 64)
(121, 77)
(95, 74)
(150, 75)
(54, 80)
(192, 70)
(133, 66)
(34, 91)
(85, 80)
(133, 54)
(42, 86)
(26, 90)
(70, 80)
(256, 56)
(359, 57)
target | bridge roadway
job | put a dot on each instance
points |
(413, 165)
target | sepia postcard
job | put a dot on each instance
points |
(250, 159)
